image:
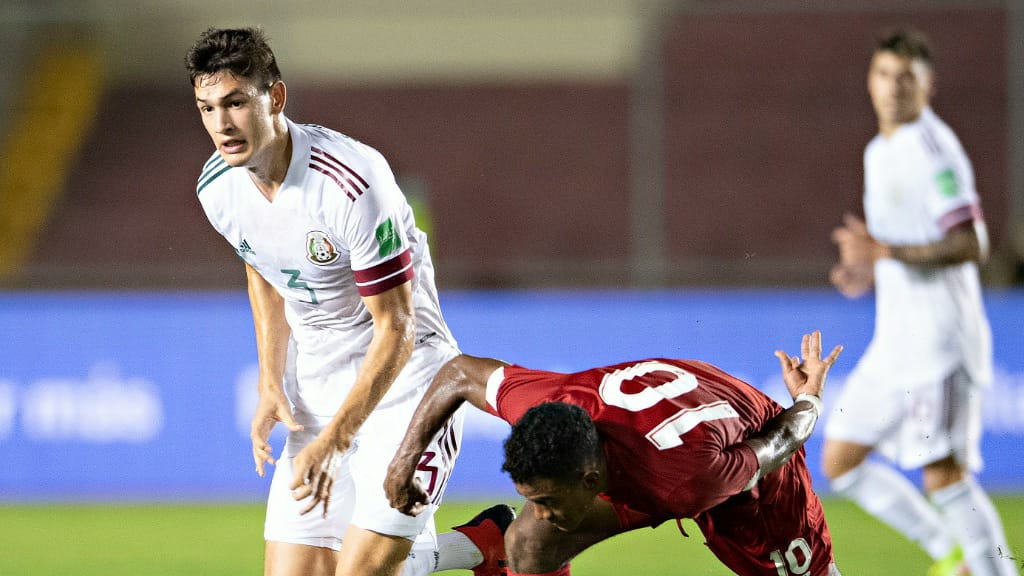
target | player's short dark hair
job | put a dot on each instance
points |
(906, 42)
(244, 52)
(552, 441)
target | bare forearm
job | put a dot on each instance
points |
(387, 354)
(958, 246)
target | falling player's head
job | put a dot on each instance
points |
(243, 52)
(240, 97)
(554, 457)
(900, 77)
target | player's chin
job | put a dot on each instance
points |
(234, 159)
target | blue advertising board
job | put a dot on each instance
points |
(148, 396)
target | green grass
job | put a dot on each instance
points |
(201, 539)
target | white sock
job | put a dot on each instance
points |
(889, 496)
(422, 559)
(971, 515)
(456, 551)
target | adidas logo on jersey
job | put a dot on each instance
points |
(244, 248)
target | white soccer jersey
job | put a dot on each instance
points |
(918, 184)
(338, 229)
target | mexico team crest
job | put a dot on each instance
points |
(319, 249)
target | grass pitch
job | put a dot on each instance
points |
(225, 539)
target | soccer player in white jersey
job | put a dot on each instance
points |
(349, 332)
(915, 394)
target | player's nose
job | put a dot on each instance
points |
(223, 121)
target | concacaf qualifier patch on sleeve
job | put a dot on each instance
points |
(946, 180)
(388, 240)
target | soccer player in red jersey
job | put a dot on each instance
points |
(607, 450)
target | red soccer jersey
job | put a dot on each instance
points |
(672, 433)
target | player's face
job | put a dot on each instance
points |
(563, 504)
(239, 116)
(900, 88)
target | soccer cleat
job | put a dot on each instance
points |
(951, 564)
(487, 532)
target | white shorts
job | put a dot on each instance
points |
(912, 426)
(357, 496)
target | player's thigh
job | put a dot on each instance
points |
(958, 424)
(942, 421)
(868, 409)
(285, 559)
(535, 546)
(285, 522)
(840, 456)
(368, 553)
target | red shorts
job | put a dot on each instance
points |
(776, 528)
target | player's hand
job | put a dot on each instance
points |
(403, 490)
(314, 469)
(852, 280)
(806, 375)
(855, 243)
(272, 408)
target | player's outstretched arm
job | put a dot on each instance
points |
(805, 380)
(461, 379)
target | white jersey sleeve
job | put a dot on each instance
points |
(374, 229)
(952, 198)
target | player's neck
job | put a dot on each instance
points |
(888, 127)
(269, 175)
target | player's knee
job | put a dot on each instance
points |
(832, 468)
(839, 458)
(943, 473)
(529, 547)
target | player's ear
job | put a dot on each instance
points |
(592, 479)
(278, 97)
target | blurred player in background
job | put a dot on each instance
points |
(613, 449)
(349, 332)
(915, 395)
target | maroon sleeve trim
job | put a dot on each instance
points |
(385, 276)
(959, 215)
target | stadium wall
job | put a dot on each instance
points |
(706, 143)
(148, 396)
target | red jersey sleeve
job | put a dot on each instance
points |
(514, 389)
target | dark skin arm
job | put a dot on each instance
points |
(462, 379)
(804, 376)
